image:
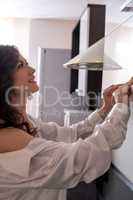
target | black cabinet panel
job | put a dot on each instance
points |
(97, 31)
(74, 80)
(96, 28)
(74, 52)
(97, 23)
(94, 85)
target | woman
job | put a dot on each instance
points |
(41, 160)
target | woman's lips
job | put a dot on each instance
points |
(32, 81)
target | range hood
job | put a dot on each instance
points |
(93, 59)
(127, 6)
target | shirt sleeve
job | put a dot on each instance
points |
(116, 123)
(59, 165)
(82, 129)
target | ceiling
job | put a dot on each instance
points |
(58, 9)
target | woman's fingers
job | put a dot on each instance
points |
(130, 82)
(108, 97)
(120, 92)
(121, 95)
(111, 89)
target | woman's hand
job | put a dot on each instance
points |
(121, 95)
(130, 82)
(115, 94)
(108, 98)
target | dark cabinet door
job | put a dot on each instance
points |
(74, 52)
(96, 32)
(96, 26)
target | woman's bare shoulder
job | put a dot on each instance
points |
(13, 139)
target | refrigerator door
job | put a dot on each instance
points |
(54, 82)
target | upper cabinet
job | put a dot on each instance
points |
(90, 28)
(74, 52)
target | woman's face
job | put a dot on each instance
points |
(24, 76)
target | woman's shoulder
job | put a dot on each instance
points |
(13, 139)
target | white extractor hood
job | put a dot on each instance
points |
(94, 58)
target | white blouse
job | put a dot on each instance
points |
(62, 157)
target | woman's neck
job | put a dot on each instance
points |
(20, 105)
(22, 110)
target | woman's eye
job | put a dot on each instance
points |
(20, 65)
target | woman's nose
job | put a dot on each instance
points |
(32, 70)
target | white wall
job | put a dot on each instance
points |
(28, 35)
(22, 34)
(15, 32)
(49, 34)
(54, 34)
(119, 46)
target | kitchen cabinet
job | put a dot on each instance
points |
(89, 29)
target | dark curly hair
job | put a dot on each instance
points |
(9, 115)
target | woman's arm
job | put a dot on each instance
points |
(52, 131)
(82, 129)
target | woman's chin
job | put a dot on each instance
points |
(34, 88)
